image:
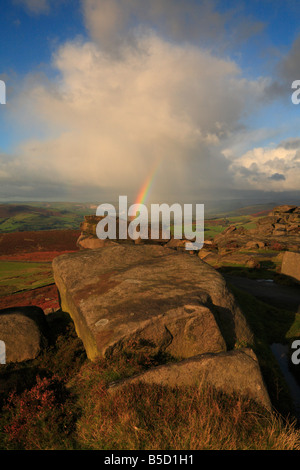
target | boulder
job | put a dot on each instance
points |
(203, 253)
(253, 263)
(234, 371)
(209, 244)
(90, 242)
(291, 265)
(267, 220)
(24, 331)
(88, 226)
(176, 244)
(260, 244)
(280, 227)
(161, 299)
(229, 257)
(229, 230)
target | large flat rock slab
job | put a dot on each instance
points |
(158, 298)
(235, 371)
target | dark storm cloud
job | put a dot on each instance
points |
(277, 177)
(110, 22)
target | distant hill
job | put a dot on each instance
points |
(18, 217)
(37, 216)
(257, 210)
(11, 210)
(261, 213)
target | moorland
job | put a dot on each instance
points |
(59, 400)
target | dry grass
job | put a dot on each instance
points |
(71, 407)
(151, 417)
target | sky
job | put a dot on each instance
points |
(100, 94)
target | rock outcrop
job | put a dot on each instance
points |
(281, 221)
(88, 238)
(24, 330)
(88, 232)
(235, 371)
(281, 228)
(161, 299)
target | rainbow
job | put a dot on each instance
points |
(145, 189)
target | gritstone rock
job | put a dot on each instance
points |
(24, 331)
(235, 371)
(161, 299)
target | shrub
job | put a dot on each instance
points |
(276, 246)
(39, 418)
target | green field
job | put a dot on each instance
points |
(18, 276)
(210, 231)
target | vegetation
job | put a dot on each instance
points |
(17, 276)
(43, 216)
(153, 417)
(61, 400)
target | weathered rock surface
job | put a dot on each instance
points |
(291, 265)
(162, 299)
(234, 371)
(24, 331)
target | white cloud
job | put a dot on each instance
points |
(268, 169)
(108, 119)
